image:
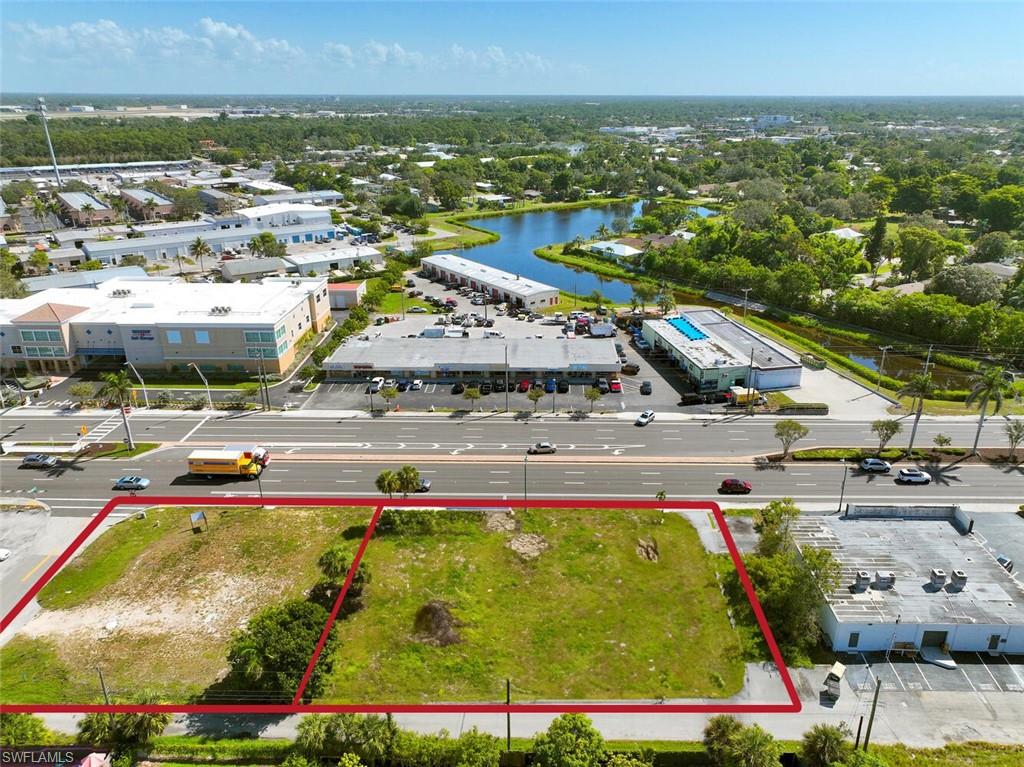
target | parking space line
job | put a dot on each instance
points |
(1014, 672)
(999, 687)
(893, 669)
(917, 668)
(975, 689)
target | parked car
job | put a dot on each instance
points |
(537, 384)
(131, 483)
(563, 386)
(875, 464)
(485, 387)
(410, 283)
(424, 486)
(403, 385)
(630, 368)
(615, 386)
(458, 387)
(416, 385)
(550, 385)
(38, 461)
(913, 477)
(499, 385)
(644, 418)
(523, 387)
(646, 388)
(733, 486)
(417, 310)
(602, 385)
(391, 383)
(541, 448)
(376, 384)
(1005, 562)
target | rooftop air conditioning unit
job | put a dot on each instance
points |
(861, 580)
(938, 577)
(885, 579)
(958, 579)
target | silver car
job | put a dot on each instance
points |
(875, 464)
(541, 448)
(913, 477)
(38, 461)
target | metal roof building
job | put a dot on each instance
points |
(914, 578)
(505, 286)
(87, 279)
(458, 358)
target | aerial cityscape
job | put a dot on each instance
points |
(407, 384)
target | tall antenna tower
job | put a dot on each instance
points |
(41, 109)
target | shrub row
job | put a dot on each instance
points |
(203, 749)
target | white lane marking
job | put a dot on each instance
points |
(346, 481)
(573, 483)
(506, 482)
(806, 484)
(739, 439)
(501, 472)
(574, 472)
(277, 469)
(355, 471)
(650, 473)
(194, 429)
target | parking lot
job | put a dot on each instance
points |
(667, 383)
(975, 672)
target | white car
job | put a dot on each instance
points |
(417, 310)
(913, 477)
(875, 464)
(391, 383)
(541, 448)
(376, 384)
(416, 385)
(645, 418)
(5, 554)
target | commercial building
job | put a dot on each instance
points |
(501, 285)
(86, 279)
(145, 204)
(338, 258)
(317, 197)
(616, 250)
(345, 295)
(216, 201)
(248, 269)
(716, 353)
(163, 323)
(914, 579)
(453, 359)
(84, 209)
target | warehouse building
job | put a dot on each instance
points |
(338, 258)
(86, 279)
(454, 359)
(84, 209)
(216, 201)
(145, 204)
(345, 295)
(163, 323)
(317, 197)
(914, 579)
(501, 285)
(716, 353)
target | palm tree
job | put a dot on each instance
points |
(334, 563)
(408, 480)
(88, 209)
(919, 387)
(989, 384)
(387, 483)
(39, 209)
(198, 249)
(149, 206)
(374, 739)
(597, 298)
(603, 232)
(118, 385)
(645, 293)
(824, 745)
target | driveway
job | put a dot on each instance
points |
(845, 398)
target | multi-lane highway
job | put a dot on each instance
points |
(483, 456)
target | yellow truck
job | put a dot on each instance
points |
(246, 462)
(742, 396)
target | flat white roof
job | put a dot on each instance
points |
(333, 254)
(488, 275)
(141, 195)
(77, 199)
(278, 208)
(169, 302)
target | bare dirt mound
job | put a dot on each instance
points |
(647, 549)
(435, 624)
(500, 522)
(528, 545)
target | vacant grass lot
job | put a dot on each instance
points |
(587, 619)
(154, 605)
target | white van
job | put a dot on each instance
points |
(493, 334)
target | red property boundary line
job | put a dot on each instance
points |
(296, 707)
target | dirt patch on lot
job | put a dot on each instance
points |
(500, 522)
(435, 624)
(528, 545)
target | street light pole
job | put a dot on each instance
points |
(881, 365)
(842, 489)
(746, 293)
(145, 393)
(209, 397)
(506, 378)
(526, 461)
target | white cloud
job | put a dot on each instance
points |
(378, 54)
(77, 42)
(494, 59)
(338, 53)
(238, 43)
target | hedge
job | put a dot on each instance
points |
(197, 748)
(857, 454)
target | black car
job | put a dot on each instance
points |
(499, 384)
(646, 387)
(403, 385)
(563, 386)
(485, 387)
(458, 388)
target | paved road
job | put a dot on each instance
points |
(480, 433)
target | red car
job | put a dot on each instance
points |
(523, 387)
(615, 386)
(734, 486)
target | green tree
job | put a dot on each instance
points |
(81, 391)
(389, 393)
(789, 432)
(448, 193)
(824, 744)
(23, 730)
(271, 653)
(125, 732)
(471, 395)
(118, 386)
(90, 265)
(1014, 431)
(970, 284)
(920, 387)
(200, 249)
(915, 194)
(718, 735)
(988, 385)
(570, 741)
(874, 251)
(995, 247)
(645, 293)
(265, 245)
(1002, 209)
(88, 210)
(408, 479)
(754, 747)
(885, 429)
(593, 394)
(39, 261)
(771, 523)
(387, 482)
(535, 396)
(922, 252)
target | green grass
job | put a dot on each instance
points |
(392, 303)
(176, 597)
(122, 451)
(857, 454)
(587, 619)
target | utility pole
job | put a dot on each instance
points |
(41, 109)
(928, 361)
(506, 378)
(526, 461)
(871, 719)
(106, 697)
(842, 490)
(746, 292)
(508, 715)
(145, 393)
(881, 366)
(750, 382)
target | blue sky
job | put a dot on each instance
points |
(607, 48)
